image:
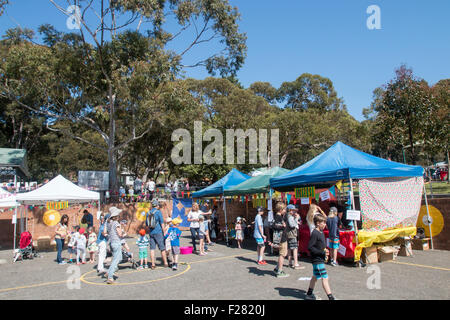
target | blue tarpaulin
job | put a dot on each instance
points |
(341, 162)
(234, 177)
(181, 208)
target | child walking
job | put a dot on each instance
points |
(71, 246)
(318, 250)
(239, 231)
(173, 235)
(92, 247)
(143, 242)
(201, 234)
(333, 228)
(81, 247)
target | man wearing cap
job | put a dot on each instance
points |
(156, 234)
(259, 236)
(115, 236)
(292, 232)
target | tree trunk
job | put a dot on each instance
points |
(411, 143)
(283, 158)
(112, 161)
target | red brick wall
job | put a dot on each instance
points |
(234, 209)
(37, 227)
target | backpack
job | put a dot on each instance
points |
(151, 219)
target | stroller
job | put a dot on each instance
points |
(26, 249)
(128, 257)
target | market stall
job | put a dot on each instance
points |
(234, 177)
(390, 192)
(57, 194)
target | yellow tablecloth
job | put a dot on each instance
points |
(366, 238)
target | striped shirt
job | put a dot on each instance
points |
(143, 242)
(112, 231)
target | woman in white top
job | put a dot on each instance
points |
(195, 225)
(313, 210)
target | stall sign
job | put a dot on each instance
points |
(306, 192)
(353, 215)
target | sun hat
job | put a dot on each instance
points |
(291, 207)
(114, 211)
(177, 220)
(238, 219)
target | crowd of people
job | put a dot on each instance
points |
(164, 234)
(278, 231)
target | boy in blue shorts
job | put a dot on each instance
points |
(317, 249)
(333, 237)
(259, 236)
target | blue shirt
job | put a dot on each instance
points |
(174, 235)
(101, 237)
(258, 223)
(159, 221)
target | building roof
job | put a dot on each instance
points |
(14, 159)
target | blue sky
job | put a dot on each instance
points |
(329, 37)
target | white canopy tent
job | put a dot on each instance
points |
(7, 199)
(58, 189)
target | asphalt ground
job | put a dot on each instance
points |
(226, 273)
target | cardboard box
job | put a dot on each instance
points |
(370, 255)
(405, 248)
(386, 253)
(421, 244)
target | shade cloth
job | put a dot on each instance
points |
(256, 184)
(388, 203)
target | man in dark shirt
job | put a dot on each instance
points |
(89, 218)
(318, 251)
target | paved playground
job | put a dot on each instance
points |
(227, 273)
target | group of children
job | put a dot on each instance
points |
(172, 243)
(80, 241)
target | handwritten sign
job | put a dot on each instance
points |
(342, 250)
(325, 195)
(353, 215)
(304, 201)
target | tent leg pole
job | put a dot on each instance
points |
(428, 215)
(226, 223)
(354, 221)
(15, 229)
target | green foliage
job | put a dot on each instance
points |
(310, 92)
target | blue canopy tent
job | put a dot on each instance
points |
(341, 162)
(234, 177)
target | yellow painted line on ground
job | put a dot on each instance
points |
(420, 265)
(131, 283)
(83, 277)
(33, 286)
